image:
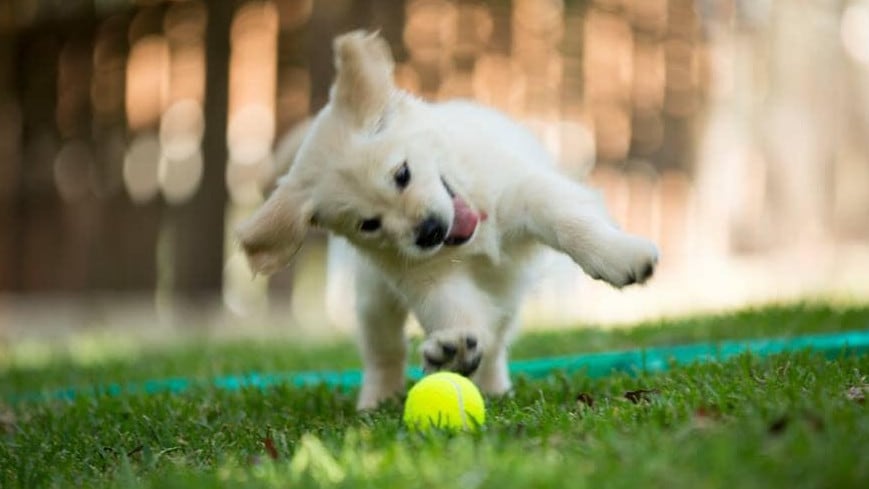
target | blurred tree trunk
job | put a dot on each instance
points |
(198, 234)
(39, 207)
(10, 130)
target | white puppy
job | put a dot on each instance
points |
(447, 205)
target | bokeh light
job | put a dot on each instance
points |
(855, 31)
(147, 81)
(179, 177)
(181, 128)
(293, 14)
(250, 133)
(140, 167)
(72, 170)
(246, 181)
(251, 127)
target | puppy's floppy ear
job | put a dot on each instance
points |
(363, 81)
(275, 232)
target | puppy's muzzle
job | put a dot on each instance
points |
(430, 232)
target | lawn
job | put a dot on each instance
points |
(792, 420)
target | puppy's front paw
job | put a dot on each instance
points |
(455, 350)
(623, 260)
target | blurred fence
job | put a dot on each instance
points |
(734, 133)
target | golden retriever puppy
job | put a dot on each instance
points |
(447, 205)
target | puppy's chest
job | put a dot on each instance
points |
(498, 278)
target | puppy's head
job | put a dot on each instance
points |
(371, 168)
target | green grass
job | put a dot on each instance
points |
(786, 421)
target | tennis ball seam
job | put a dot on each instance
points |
(461, 401)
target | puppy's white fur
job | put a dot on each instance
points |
(465, 297)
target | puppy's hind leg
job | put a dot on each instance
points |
(381, 338)
(571, 218)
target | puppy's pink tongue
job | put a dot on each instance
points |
(464, 222)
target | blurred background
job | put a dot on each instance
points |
(135, 133)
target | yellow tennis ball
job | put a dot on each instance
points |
(444, 400)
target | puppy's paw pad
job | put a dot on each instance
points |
(453, 350)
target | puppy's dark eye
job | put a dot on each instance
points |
(369, 225)
(402, 176)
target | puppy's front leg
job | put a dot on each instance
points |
(458, 318)
(571, 218)
(493, 376)
(384, 349)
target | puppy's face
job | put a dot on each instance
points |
(384, 191)
(369, 170)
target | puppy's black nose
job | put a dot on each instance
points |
(430, 232)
